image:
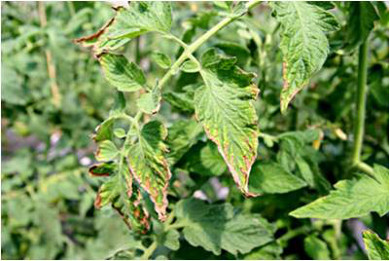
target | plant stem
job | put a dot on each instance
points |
(268, 136)
(149, 251)
(198, 42)
(293, 233)
(360, 103)
(365, 168)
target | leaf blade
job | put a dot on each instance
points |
(352, 198)
(224, 107)
(304, 44)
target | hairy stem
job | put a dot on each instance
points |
(360, 103)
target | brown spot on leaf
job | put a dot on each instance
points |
(95, 35)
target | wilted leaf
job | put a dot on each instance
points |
(304, 43)
(149, 166)
(352, 198)
(224, 106)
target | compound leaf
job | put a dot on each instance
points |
(124, 75)
(352, 198)
(224, 106)
(215, 227)
(149, 166)
(377, 248)
(304, 43)
(273, 178)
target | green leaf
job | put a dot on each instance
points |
(106, 151)
(172, 239)
(119, 133)
(124, 75)
(316, 248)
(304, 44)
(361, 18)
(125, 198)
(161, 59)
(272, 178)
(205, 159)
(140, 18)
(190, 66)
(215, 227)
(182, 135)
(148, 164)
(104, 130)
(224, 106)
(377, 248)
(104, 169)
(182, 101)
(352, 198)
(149, 102)
(270, 251)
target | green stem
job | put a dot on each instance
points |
(293, 233)
(149, 251)
(365, 168)
(360, 103)
(198, 42)
(268, 136)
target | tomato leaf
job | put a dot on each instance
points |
(124, 198)
(361, 18)
(149, 166)
(352, 198)
(215, 227)
(224, 106)
(161, 59)
(272, 178)
(124, 75)
(304, 43)
(106, 151)
(140, 18)
(377, 248)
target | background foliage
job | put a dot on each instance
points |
(48, 118)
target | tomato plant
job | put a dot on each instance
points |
(225, 130)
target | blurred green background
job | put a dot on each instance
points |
(53, 95)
